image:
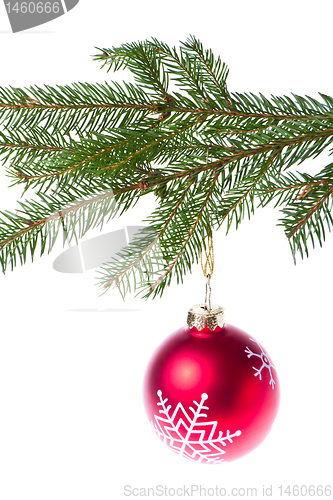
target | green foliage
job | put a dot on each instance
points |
(209, 156)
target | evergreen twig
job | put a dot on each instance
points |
(90, 151)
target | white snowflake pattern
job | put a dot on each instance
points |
(266, 362)
(196, 440)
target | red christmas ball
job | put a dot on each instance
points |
(211, 391)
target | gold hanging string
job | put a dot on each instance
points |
(208, 269)
(208, 266)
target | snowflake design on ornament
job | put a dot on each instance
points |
(266, 362)
(196, 440)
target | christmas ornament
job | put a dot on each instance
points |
(211, 391)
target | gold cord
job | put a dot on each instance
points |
(208, 269)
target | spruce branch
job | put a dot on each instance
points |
(208, 156)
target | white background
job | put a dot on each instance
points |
(72, 424)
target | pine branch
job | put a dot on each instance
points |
(80, 107)
(307, 214)
(208, 155)
(144, 254)
(41, 220)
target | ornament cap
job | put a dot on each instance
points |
(200, 317)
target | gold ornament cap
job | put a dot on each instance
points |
(200, 317)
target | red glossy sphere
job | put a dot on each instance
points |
(211, 396)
